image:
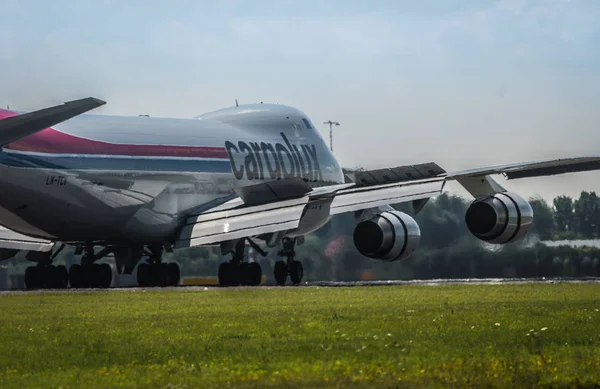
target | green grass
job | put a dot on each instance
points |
(365, 337)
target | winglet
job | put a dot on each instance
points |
(21, 126)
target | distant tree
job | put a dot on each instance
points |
(563, 213)
(442, 221)
(586, 211)
(543, 219)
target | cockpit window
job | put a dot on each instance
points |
(307, 124)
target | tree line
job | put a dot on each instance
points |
(447, 250)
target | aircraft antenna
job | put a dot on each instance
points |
(331, 124)
(236, 103)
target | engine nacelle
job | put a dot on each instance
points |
(500, 218)
(389, 236)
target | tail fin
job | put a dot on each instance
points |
(20, 126)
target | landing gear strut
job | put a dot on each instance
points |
(236, 271)
(156, 272)
(289, 267)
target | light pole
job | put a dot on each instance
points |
(331, 124)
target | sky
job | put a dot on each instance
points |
(462, 83)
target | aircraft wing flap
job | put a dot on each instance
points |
(356, 199)
(214, 227)
(13, 240)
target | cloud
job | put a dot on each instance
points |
(409, 81)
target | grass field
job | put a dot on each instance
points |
(364, 337)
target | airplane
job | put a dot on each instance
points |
(257, 175)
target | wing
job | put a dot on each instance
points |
(17, 127)
(479, 183)
(285, 205)
(534, 168)
(15, 241)
(295, 207)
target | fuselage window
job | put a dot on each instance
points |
(307, 124)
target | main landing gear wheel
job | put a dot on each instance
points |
(237, 272)
(46, 276)
(280, 273)
(91, 275)
(296, 272)
(158, 274)
(243, 273)
(290, 267)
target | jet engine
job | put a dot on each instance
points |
(389, 236)
(500, 218)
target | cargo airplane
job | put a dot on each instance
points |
(251, 175)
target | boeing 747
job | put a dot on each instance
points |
(258, 175)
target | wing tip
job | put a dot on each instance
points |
(87, 100)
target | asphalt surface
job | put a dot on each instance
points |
(439, 282)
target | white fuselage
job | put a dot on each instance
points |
(117, 179)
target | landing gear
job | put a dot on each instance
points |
(46, 276)
(289, 267)
(90, 274)
(156, 272)
(237, 272)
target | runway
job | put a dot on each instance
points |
(325, 284)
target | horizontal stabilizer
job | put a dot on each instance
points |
(17, 127)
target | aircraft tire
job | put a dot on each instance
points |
(243, 273)
(280, 272)
(225, 274)
(92, 274)
(255, 273)
(76, 276)
(144, 275)
(296, 272)
(173, 274)
(48, 276)
(59, 277)
(105, 275)
(161, 274)
(32, 278)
